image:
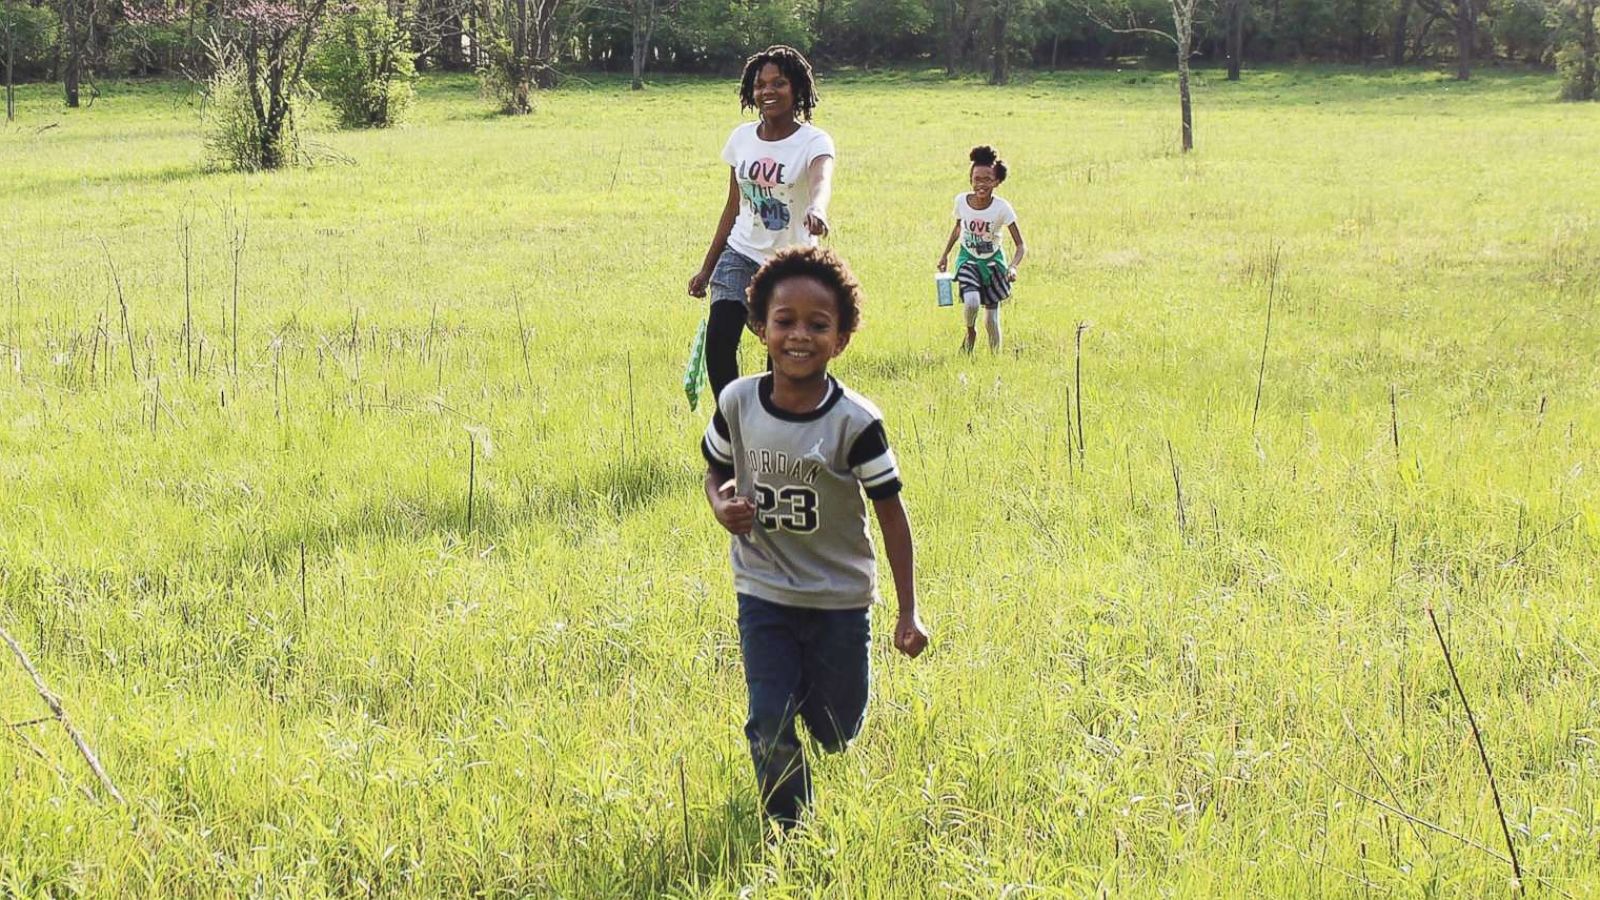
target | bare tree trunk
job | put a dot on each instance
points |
(952, 43)
(1464, 39)
(1183, 101)
(73, 42)
(638, 62)
(1361, 31)
(544, 51)
(1000, 72)
(819, 27)
(11, 56)
(451, 54)
(74, 74)
(1183, 37)
(644, 23)
(1235, 37)
(1397, 45)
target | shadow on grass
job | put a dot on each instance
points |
(71, 185)
(618, 489)
(894, 365)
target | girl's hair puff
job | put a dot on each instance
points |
(985, 155)
(792, 63)
(818, 263)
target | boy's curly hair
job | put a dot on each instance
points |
(808, 262)
(985, 155)
(792, 63)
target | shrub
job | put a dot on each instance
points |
(1577, 68)
(233, 136)
(364, 68)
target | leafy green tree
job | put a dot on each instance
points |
(26, 35)
(364, 66)
(1463, 15)
(1577, 26)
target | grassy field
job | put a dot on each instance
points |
(1189, 657)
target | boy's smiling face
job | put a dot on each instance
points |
(801, 330)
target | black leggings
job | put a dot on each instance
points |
(724, 328)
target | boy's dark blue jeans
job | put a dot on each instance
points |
(811, 663)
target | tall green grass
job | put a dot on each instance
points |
(1125, 697)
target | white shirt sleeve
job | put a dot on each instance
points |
(730, 150)
(1008, 216)
(819, 146)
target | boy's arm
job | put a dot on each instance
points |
(944, 258)
(735, 513)
(910, 636)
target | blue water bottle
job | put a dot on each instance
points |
(944, 283)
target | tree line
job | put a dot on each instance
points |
(364, 52)
(68, 40)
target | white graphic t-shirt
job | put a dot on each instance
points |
(980, 228)
(774, 188)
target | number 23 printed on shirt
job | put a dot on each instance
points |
(792, 508)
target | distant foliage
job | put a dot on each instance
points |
(872, 31)
(35, 32)
(154, 48)
(1577, 26)
(715, 34)
(364, 67)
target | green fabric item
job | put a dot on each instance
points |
(988, 269)
(694, 372)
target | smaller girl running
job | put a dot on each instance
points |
(982, 275)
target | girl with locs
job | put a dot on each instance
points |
(780, 181)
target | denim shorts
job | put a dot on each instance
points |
(730, 280)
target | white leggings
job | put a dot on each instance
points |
(991, 318)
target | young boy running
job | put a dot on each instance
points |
(790, 453)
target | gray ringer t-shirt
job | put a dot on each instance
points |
(805, 472)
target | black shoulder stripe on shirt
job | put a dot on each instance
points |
(870, 444)
(717, 465)
(884, 491)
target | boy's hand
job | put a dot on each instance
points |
(944, 262)
(910, 635)
(1011, 275)
(735, 513)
